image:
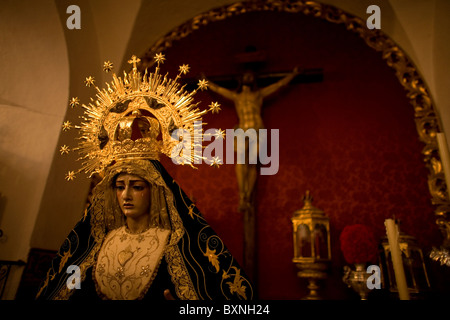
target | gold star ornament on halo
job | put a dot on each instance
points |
(70, 176)
(67, 126)
(89, 81)
(159, 58)
(107, 66)
(184, 68)
(216, 162)
(219, 134)
(74, 102)
(64, 149)
(203, 84)
(214, 107)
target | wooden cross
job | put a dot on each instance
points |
(252, 60)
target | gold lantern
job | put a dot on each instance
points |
(312, 250)
(413, 263)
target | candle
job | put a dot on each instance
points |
(392, 234)
(443, 151)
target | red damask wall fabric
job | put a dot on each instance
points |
(350, 139)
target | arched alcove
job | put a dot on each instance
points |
(357, 140)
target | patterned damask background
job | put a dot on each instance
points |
(351, 140)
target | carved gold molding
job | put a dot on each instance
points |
(426, 118)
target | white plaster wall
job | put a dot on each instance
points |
(114, 23)
(105, 29)
(33, 97)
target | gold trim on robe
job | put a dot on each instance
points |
(127, 263)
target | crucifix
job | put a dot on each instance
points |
(248, 101)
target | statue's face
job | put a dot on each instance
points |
(248, 79)
(133, 194)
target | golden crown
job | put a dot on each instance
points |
(135, 118)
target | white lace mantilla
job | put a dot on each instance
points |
(127, 262)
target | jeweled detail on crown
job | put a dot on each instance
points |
(143, 148)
